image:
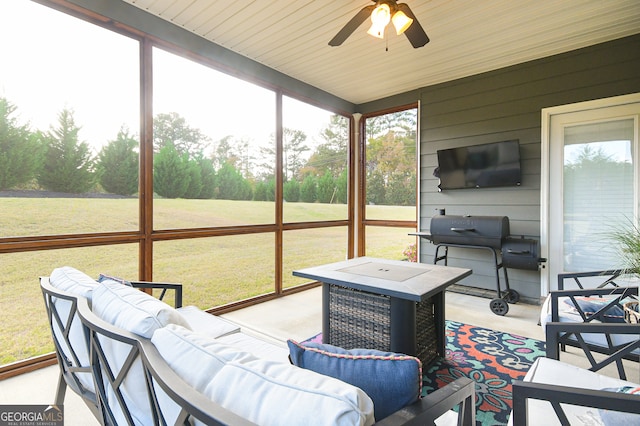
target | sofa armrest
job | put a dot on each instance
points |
(555, 394)
(427, 409)
(177, 288)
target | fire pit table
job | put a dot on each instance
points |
(385, 304)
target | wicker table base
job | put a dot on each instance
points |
(358, 319)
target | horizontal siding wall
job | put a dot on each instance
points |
(502, 105)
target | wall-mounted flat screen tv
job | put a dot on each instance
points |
(480, 166)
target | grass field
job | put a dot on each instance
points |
(213, 271)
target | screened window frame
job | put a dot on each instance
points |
(363, 222)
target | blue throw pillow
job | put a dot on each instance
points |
(391, 380)
(591, 305)
(616, 418)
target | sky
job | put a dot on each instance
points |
(96, 75)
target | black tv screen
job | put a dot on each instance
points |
(480, 166)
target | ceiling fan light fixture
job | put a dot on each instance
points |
(380, 18)
(376, 30)
(401, 22)
(381, 13)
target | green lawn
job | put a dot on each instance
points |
(214, 271)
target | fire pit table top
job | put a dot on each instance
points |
(394, 278)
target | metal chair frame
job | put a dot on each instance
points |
(562, 334)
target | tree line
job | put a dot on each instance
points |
(187, 164)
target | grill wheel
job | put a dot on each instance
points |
(499, 307)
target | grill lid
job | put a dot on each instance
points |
(486, 231)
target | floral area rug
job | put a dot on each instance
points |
(490, 358)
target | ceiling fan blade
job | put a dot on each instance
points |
(351, 26)
(416, 35)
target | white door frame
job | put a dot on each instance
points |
(547, 113)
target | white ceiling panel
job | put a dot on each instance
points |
(467, 37)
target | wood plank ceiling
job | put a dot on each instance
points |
(467, 37)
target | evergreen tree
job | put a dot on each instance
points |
(170, 173)
(308, 189)
(68, 164)
(326, 188)
(195, 180)
(231, 184)
(260, 193)
(341, 187)
(271, 189)
(246, 191)
(20, 150)
(291, 191)
(208, 177)
(118, 164)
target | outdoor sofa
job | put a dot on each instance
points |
(136, 360)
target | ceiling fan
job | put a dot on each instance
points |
(381, 14)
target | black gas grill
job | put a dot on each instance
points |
(489, 233)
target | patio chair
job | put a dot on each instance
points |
(588, 317)
(556, 393)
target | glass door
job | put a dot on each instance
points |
(592, 187)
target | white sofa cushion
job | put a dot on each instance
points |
(183, 349)
(257, 346)
(264, 391)
(176, 345)
(73, 281)
(132, 309)
(550, 371)
(271, 393)
(208, 324)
